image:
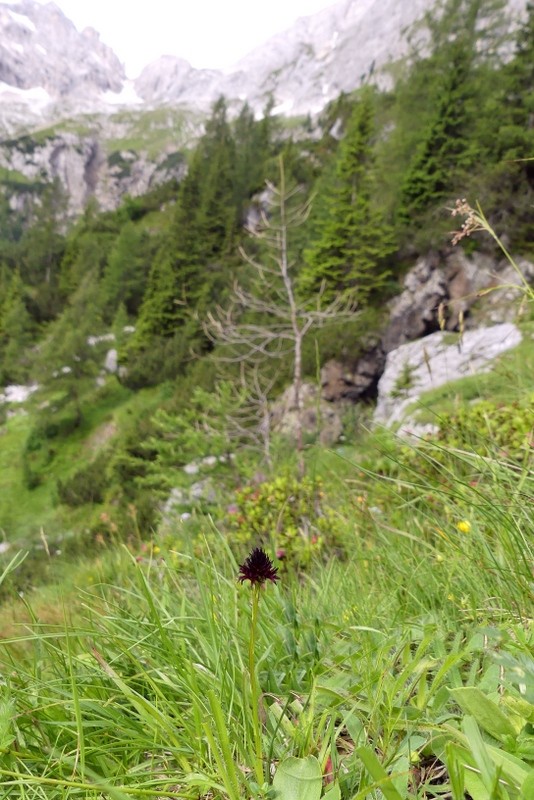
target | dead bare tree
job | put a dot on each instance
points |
(273, 297)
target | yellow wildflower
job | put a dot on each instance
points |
(464, 526)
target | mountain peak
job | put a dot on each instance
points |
(40, 48)
(44, 56)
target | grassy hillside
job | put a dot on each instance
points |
(393, 657)
(193, 605)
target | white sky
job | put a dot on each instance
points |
(208, 33)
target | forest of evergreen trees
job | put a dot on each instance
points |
(382, 168)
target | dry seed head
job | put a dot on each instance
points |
(471, 223)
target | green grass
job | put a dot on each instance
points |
(154, 131)
(372, 671)
(23, 511)
(398, 663)
(393, 660)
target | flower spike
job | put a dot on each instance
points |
(258, 568)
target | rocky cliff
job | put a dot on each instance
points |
(83, 168)
(48, 68)
(447, 289)
(49, 71)
(305, 67)
(47, 65)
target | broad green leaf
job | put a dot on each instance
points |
(355, 728)
(520, 707)
(513, 768)
(298, 779)
(527, 789)
(475, 786)
(378, 773)
(487, 713)
(334, 793)
(479, 751)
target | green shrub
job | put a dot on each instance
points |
(87, 485)
(506, 428)
(38, 453)
(287, 514)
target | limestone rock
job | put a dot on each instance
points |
(356, 380)
(307, 66)
(318, 416)
(434, 360)
(46, 64)
(83, 169)
(465, 285)
(111, 362)
(49, 70)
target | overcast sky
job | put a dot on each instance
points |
(208, 33)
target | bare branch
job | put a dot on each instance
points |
(247, 342)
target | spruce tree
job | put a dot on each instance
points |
(352, 240)
(126, 271)
(164, 305)
(186, 272)
(445, 145)
(15, 333)
(449, 85)
(68, 358)
(252, 150)
(508, 190)
(509, 118)
(40, 252)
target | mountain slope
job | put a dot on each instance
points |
(48, 69)
(307, 66)
(46, 62)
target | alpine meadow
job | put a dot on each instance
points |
(267, 438)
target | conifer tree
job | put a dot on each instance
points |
(511, 126)
(507, 129)
(15, 333)
(252, 150)
(352, 239)
(164, 306)
(445, 146)
(41, 249)
(187, 267)
(466, 41)
(69, 359)
(126, 271)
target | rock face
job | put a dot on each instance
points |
(458, 283)
(83, 169)
(39, 46)
(49, 69)
(353, 381)
(46, 62)
(318, 416)
(434, 360)
(305, 67)
(49, 72)
(475, 288)
(173, 80)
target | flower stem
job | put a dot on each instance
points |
(254, 688)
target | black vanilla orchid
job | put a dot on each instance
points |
(258, 568)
